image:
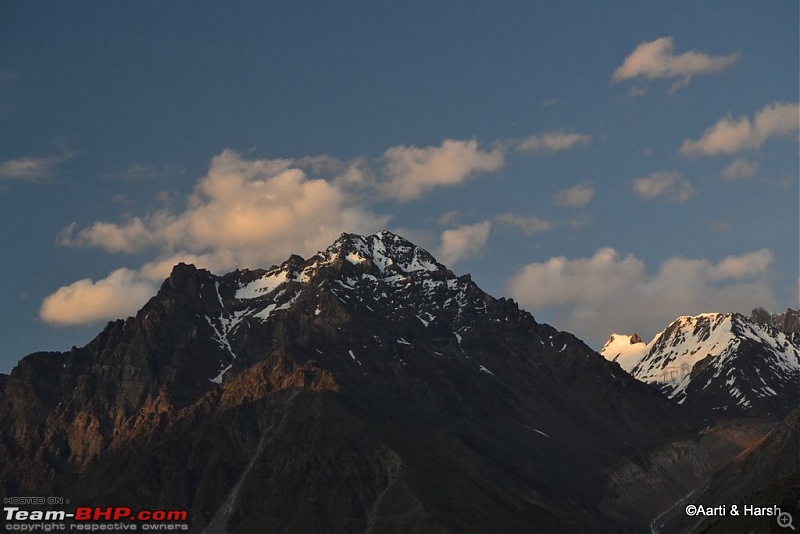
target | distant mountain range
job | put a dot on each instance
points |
(369, 388)
(717, 361)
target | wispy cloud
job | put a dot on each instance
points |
(141, 172)
(609, 292)
(670, 185)
(528, 225)
(741, 168)
(32, 169)
(637, 91)
(731, 135)
(657, 59)
(554, 141)
(450, 218)
(575, 196)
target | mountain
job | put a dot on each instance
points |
(367, 388)
(722, 362)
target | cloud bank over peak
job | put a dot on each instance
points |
(246, 211)
(255, 212)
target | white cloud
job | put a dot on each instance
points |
(562, 281)
(731, 135)
(656, 59)
(528, 225)
(576, 196)
(463, 242)
(554, 141)
(606, 293)
(741, 168)
(412, 171)
(120, 294)
(670, 185)
(129, 238)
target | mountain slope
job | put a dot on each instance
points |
(765, 475)
(365, 388)
(723, 362)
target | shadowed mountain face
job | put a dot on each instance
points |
(765, 475)
(367, 388)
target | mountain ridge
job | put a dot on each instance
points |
(367, 387)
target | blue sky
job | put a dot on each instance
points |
(610, 165)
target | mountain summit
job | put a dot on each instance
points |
(625, 349)
(366, 388)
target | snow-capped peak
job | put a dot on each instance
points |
(625, 349)
(725, 358)
(387, 251)
(387, 256)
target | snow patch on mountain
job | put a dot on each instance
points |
(625, 349)
(267, 283)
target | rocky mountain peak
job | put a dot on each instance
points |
(726, 362)
(388, 252)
